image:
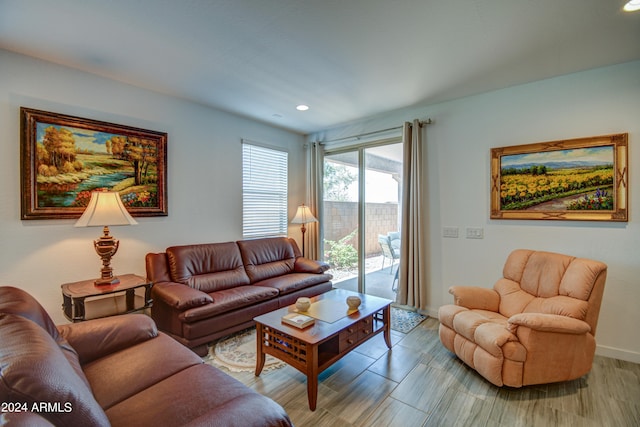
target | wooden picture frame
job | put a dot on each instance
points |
(584, 179)
(64, 158)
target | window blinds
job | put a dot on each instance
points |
(264, 191)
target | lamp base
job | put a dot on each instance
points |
(106, 247)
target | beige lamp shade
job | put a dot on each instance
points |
(105, 208)
(303, 215)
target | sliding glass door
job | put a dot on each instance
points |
(361, 217)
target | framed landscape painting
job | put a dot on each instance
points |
(65, 158)
(582, 179)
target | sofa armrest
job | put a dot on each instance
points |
(21, 419)
(306, 265)
(548, 323)
(474, 297)
(180, 296)
(99, 337)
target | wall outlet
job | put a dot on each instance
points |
(450, 232)
(475, 233)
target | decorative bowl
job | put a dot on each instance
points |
(303, 304)
(353, 302)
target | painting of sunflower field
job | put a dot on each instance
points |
(66, 158)
(574, 179)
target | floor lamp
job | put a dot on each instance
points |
(303, 216)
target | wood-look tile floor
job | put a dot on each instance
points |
(420, 383)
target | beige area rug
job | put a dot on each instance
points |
(237, 353)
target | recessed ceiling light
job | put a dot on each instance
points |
(302, 107)
(632, 5)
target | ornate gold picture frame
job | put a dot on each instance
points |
(65, 158)
(584, 179)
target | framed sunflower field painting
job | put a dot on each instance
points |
(583, 179)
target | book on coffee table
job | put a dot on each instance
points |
(298, 320)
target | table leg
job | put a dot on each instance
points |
(147, 296)
(67, 306)
(386, 318)
(130, 299)
(78, 310)
(260, 356)
(312, 377)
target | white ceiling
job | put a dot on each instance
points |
(346, 59)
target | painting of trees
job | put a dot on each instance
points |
(140, 152)
(65, 159)
(57, 152)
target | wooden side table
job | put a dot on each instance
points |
(74, 295)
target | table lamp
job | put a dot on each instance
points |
(105, 208)
(303, 216)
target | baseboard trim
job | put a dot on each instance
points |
(430, 311)
(618, 353)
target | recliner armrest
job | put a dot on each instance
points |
(306, 265)
(474, 297)
(180, 296)
(548, 323)
(99, 337)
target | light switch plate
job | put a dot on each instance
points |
(475, 233)
(450, 232)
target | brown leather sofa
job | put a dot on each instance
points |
(117, 371)
(207, 291)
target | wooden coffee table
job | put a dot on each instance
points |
(317, 347)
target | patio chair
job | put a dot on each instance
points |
(388, 251)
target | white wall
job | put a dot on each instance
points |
(204, 176)
(596, 102)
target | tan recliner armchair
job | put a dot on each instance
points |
(537, 324)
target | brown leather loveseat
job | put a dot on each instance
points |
(207, 291)
(117, 371)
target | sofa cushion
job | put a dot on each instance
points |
(513, 299)
(229, 300)
(267, 258)
(92, 340)
(118, 376)
(579, 279)
(207, 267)
(186, 394)
(543, 272)
(39, 372)
(292, 282)
(561, 305)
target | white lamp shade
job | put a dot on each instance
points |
(632, 5)
(303, 216)
(105, 208)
